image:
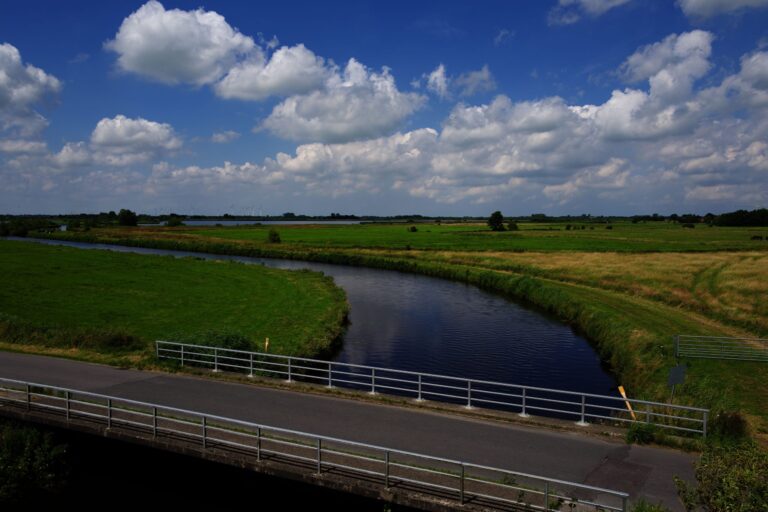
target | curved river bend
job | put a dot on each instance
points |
(419, 323)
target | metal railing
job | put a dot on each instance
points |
(714, 347)
(458, 481)
(525, 400)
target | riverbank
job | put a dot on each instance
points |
(111, 307)
(631, 330)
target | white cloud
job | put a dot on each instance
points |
(225, 136)
(22, 88)
(175, 46)
(23, 146)
(437, 82)
(475, 82)
(708, 8)
(290, 70)
(120, 141)
(567, 12)
(355, 104)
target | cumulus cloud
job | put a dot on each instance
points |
(21, 146)
(354, 104)
(567, 12)
(174, 46)
(120, 141)
(22, 89)
(290, 70)
(225, 136)
(707, 8)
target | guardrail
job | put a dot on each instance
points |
(525, 400)
(714, 347)
(458, 481)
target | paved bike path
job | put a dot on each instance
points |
(641, 471)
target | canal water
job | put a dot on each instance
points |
(431, 325)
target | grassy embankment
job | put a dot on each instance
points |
(629, 288)
(110, 307)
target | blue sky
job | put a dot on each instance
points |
(459, 108)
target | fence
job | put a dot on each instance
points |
(525, 400)
(712, 347)
(458, 481)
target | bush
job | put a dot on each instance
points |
(728, 427)
(273, 236)
(31, 463)
(174, 221)
(641, 433)
(412, 229)
(512, 226)
(729, 479)
(608, 227)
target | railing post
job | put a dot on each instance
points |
(157, 350)
(29, 398)
(330, 375)
(583, 421)
(677, 346)
(67, 394)
(154, 422)
(319, 455)
(250, 373)
(623, 504)
(109, 413)
(704, 424)
(205, 433)
(524, 414)
(419, 399)
(461, 486)
(258, 444)
(215, 360)
(182, 355)
(546, 496)
(386, 469)
(469, 394)
(290, 369)
(373, 381)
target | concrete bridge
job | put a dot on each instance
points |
(469, 462)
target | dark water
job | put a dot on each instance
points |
(418, 323)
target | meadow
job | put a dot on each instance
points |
(629, 289)
(116, 303)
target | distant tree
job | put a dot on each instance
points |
(273, 236)
(174, 221)
(512, 226)
(127, 218)
(496, 221)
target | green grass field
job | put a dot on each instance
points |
(622, 237)
(62, 295)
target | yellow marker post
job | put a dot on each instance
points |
(266, 345)
(626, 401)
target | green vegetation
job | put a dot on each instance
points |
(628, 289)
(120, 303)
(32, 463)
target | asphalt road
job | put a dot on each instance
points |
(641, 471)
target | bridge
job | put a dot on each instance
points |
(426, 459)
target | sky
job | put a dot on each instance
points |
(604, 107)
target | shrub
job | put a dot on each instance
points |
(641, 433)
(731, 479)
(512, 226)
(608, 227)
(412, 229)
(273, 236)
(728, 427)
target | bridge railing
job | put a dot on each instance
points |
(455, 480)
(524, 400)
(714, 347)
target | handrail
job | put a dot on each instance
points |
(471, 392)
(473, 479)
